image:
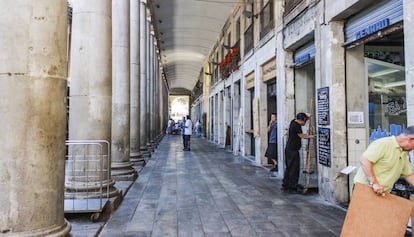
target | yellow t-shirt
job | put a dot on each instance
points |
(390, 163)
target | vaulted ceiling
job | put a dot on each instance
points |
(187, 30)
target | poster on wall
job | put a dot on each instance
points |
(324, 142)
(323, 106)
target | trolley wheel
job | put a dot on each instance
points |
(95, 216)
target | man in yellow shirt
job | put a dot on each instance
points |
(385, 161)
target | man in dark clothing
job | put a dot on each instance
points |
(292, 159)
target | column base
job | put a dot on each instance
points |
(145, 152)
(136, 158)
(82, 190)
(150, 147)
(123, 171)
(51, 231)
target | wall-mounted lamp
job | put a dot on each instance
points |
(249, 14)
(227, 47)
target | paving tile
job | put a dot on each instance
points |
(207, 192)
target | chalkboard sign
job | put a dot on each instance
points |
(324, 151)
(323, 106)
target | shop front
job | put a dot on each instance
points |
(250, 147)
(304, 64)
(375, 69)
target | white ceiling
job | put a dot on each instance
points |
(187, 30)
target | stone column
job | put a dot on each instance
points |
(149, 87)
(158, 110)
(332, 74)
(135, 83)
(121, 165)
(90, 94)
(152, 88)
(143, 79)
(33, 73)
(409, 57)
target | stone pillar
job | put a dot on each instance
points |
(90, 92)
(409, 57)
(120, 129)
(149, 87)
(33, 73)
(332, 74)
(143, 79)
(153, 88)
(158, 110)
(135, 83)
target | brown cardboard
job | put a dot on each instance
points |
(370, 214)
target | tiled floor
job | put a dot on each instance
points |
(208, 192)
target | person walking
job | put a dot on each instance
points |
(292, 158)
(182, 126)
(385, 161)
(188, 129)
(197, 128)
(271, 151)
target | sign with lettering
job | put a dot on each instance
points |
(377, 26)
(250, 81)
(302, 59)
(324, 149)
(300, 27)
(323, 106)
(269, 70)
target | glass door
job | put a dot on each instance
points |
(387, 106)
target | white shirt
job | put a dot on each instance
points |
(188, 127)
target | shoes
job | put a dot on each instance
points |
(293, 191)
(289, 190)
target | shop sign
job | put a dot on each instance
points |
(324, 148)
(269, 70)
(302, 59)
(304, 21)
(305, 54)
(382, 24)
(374, 19)
(323, 106)
(250, 81)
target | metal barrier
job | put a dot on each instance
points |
(87, 175)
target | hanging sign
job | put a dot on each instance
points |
(250, 81)
(323, 106)
(324, 149)
(269, 70)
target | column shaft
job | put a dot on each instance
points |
(90, 97)
(121, 165)
(143, 79)
(33, 80)
(135, 83)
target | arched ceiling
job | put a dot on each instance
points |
(186, 31)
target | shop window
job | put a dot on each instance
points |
(248, 39)
(266, 19)
(387, 106)
(249, 31)
(290, 5)
(238, 31)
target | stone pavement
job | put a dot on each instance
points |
(208, 192)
